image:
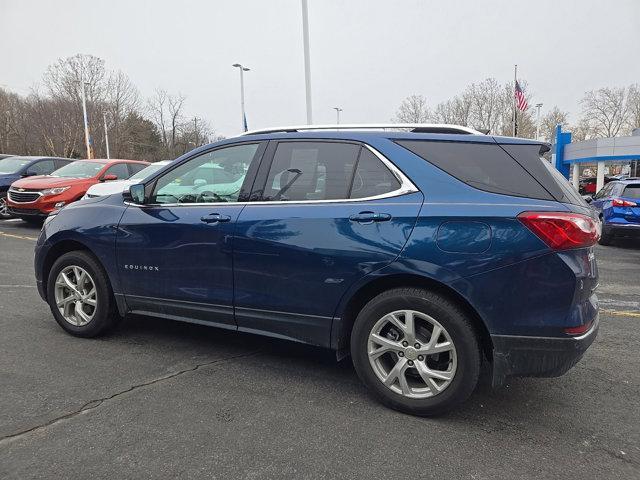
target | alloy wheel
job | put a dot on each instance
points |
(412, 354)
(4, 211)
(75, 295)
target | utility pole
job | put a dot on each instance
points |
(244, 116)
(106, 134)
(338, 110)
(84, 114)
(307, 62)
(538, 106)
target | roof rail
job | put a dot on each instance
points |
(412, 127)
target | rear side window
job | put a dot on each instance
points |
(632, 191)
(484, 166)
(372, 177)
(311, 171)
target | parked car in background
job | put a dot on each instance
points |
(587, 186)
(32, 199)
(118, 186)
(618, 204)
(13, 168)
(419, 252)
(4, 155)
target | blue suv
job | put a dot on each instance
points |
(618, 204)
(417, 249)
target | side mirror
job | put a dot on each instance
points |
(135, 193)
(587, 198)
(108, 178)
(199, 182)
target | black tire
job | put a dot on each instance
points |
(35, 221)
(605, 238)
(455, 322)
(106, 314)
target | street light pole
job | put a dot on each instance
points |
(307, 62)
(84, 114)
(538, 106)
(106, 135)
(244, 116)
(338, 110)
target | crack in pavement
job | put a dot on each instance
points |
(93, 404)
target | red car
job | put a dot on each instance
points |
(33, 198)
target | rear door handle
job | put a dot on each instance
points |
(370, 217)
(215, 218)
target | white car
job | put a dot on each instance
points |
(109, 188)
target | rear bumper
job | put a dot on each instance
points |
(521, 356)
(622, 229)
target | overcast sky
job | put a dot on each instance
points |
(366, 55)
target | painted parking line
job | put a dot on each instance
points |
(21, 237)
(620, 313)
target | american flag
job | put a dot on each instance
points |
(521, 102)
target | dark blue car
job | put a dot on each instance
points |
(618, 204)
(13, 168)
(417, 250)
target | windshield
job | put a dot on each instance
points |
(13, 164)
(145, 172)
(80, 169)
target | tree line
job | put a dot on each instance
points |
(488, 106)
(49, 120)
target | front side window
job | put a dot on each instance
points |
(311, 171)
(120, 170)
(216, 176)
(632, 191)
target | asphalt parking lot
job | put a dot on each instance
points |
(158, 399)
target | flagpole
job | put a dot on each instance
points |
(515, 80)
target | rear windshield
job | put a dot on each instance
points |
(79, 169)
(485, 166)
(632, 191)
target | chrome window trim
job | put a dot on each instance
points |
(10, 191)
(406, 187)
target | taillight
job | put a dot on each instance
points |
(562, 230)
(579, 330)
(618, 202)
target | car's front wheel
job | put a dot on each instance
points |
(4, 210)
(416, 350)
(80, 296)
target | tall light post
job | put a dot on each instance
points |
(307, 62)
(338, 110)
(538, 106)
(106, 135)
(84, 115)
(244, 116)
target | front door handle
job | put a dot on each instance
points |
(215, 218)
(370, 217)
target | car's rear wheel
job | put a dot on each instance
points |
(80, 296)
(416, 350)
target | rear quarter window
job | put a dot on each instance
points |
(484, 166)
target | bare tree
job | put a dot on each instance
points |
(633, 106)
(121, 99)
(548, 123)
(456, 111)
(605, 110)
(166, 112)
(413, 109)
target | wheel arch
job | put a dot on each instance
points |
(59, 249)
(342, 327)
